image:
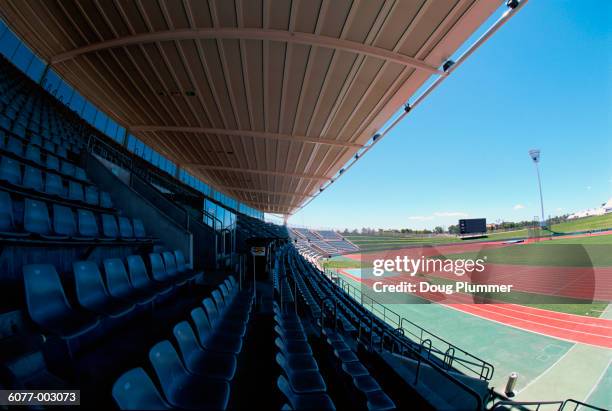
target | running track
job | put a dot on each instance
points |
(574, 328)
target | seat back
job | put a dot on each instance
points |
(36, 217)
(52, 162)
(170, 263)
(211, 311)
(186, 339)
(88, 227)
(202, 326)
(33, 153)
(125, 228)
(32, 178)
(139, 231)
(15, 146)
(80, 174)
(117, 279)
(91, 195)
(134, 390)
(10, 170)
(36, 139)
(105, 200)
(90, 289)
(7, 222)
(138, 272)
(54, 185)
(49, 146)
(68, 168)
(45, 295)
(158, 271)
(218, 300)
(167, 365)
(109, 226)
(75, 191)
(181, 266)
(63, 220)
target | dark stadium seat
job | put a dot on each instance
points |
(14, 146)
(10, 170)
(140, 278)
(119, 285)
(109, 227)
(209, 339)
(172, 270)
(68, 169)
(200, 361)
(61, 152)
(52, 163)
(227, 326)
(181, 266)
(182, 389)
(49, 146)
(92, 294)
(139, 231)
(91, 195)
(32, 178)
(75, 191)
(63, 221)
(48, 306)
(88, 226)
(306, 401)
(36, 218)
(105, 200)
(158, 270)
(80, 174)
(134, 390)
(36, 140)
(125, 228)
(54, 185)
(7, 221)
(33, 153)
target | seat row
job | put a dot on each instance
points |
(199, 373)
(53, 184)
(63, 225)
(50, 147)
(100, 298)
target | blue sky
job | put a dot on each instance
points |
(543, 80)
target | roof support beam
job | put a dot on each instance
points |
(246, 133)
(250, 34)
(251, 171)
(256, 190)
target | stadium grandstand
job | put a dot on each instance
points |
(141, 144)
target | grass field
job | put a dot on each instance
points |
(584, 224)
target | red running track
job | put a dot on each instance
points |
(569, 327)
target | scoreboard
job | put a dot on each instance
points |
(473, 226)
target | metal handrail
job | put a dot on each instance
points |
(577, 404)
(502, 405)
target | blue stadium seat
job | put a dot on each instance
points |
(91, 195)
(212, 340)
(49, 146)
(228, 326)
(48, 306)
(139, 231)
(105, 200)
(7, 221)
(200, 361)
(119, 284)
(158, 270)
(125, 228)
(36, 217)
(171, 270)
(63, 221)
(318, 401)
(32, 178)
(19, 129)
(92, 294)
(14, 146)
(52, 162)
(181, 266)
(75, 191)
(109, 227)
(36, 140)
(182, 389)
(68, 168)
(61, 152)
(10, 170)
(140, 279)
(80, 174)
(33, 153)
(54, 185)
(134, 390)
(88, 226)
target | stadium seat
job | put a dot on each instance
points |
(125, 228)
(32, 178)
(105, 200)
(54, 185)
(52, 163)
(172, 271)
(80, 174)
(63, 221)
(109, 227)
(318, 401)
(14, 146)
(158, 270)
(140, 279)
(75, 191)
(182, 389)
(92, 294)
(134, 390)
(48, 306)
(68, 169)
(36, 217)
(33, 153)
(200, 361)
(181, 266)
(88, 226)
(10, 170)
(213, 341)
(119, 284)
(91, 195)
(49, 146)
(227, 326)
(36, 140)
(7, 221)
(139, 231)
(61, 152)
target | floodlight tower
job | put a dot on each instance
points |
(535, 156)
